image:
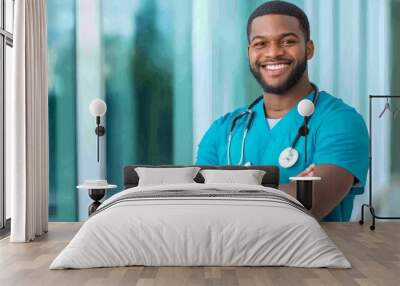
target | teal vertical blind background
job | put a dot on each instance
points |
(147, 59)
(171, 67)
(89, 85)
(62, 116)
(395, 82)
(118, 32)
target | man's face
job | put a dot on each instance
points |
(278, 52)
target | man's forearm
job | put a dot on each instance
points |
(328, 193)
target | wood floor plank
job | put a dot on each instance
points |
(374, 255)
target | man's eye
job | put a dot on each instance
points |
(259, 45)
(287, 43)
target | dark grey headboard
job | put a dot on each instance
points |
(270, 179)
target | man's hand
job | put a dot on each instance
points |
(309, 172)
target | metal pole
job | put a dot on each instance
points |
(98, 146)
(370, 150)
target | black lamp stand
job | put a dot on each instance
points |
(100, 131)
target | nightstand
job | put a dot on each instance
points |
(96, 193)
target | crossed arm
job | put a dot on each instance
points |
(328, 193)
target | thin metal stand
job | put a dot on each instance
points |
(370, 205)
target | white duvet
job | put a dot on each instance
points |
(200, 231)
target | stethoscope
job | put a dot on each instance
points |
(289, 156)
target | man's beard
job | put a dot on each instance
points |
(291, 81)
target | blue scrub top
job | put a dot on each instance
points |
(338, 135)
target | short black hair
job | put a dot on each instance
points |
(280, 8)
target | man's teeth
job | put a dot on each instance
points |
(276, 66)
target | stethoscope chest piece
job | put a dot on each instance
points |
(288, 157)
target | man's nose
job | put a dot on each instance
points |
(274, 50)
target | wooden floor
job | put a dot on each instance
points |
(375, 257)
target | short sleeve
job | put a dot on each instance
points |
(342, 140)
(209, 149)
(207, 153)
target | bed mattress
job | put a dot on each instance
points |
(201, 225)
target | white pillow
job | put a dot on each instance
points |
(163, 176)
(249, 177)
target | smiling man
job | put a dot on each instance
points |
(337, 150)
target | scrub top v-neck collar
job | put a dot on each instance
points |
(287, 121)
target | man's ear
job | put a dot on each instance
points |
(310, 49)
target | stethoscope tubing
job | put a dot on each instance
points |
(250, 113)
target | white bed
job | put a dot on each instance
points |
(207, 230)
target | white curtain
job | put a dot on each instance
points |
(27, 122)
